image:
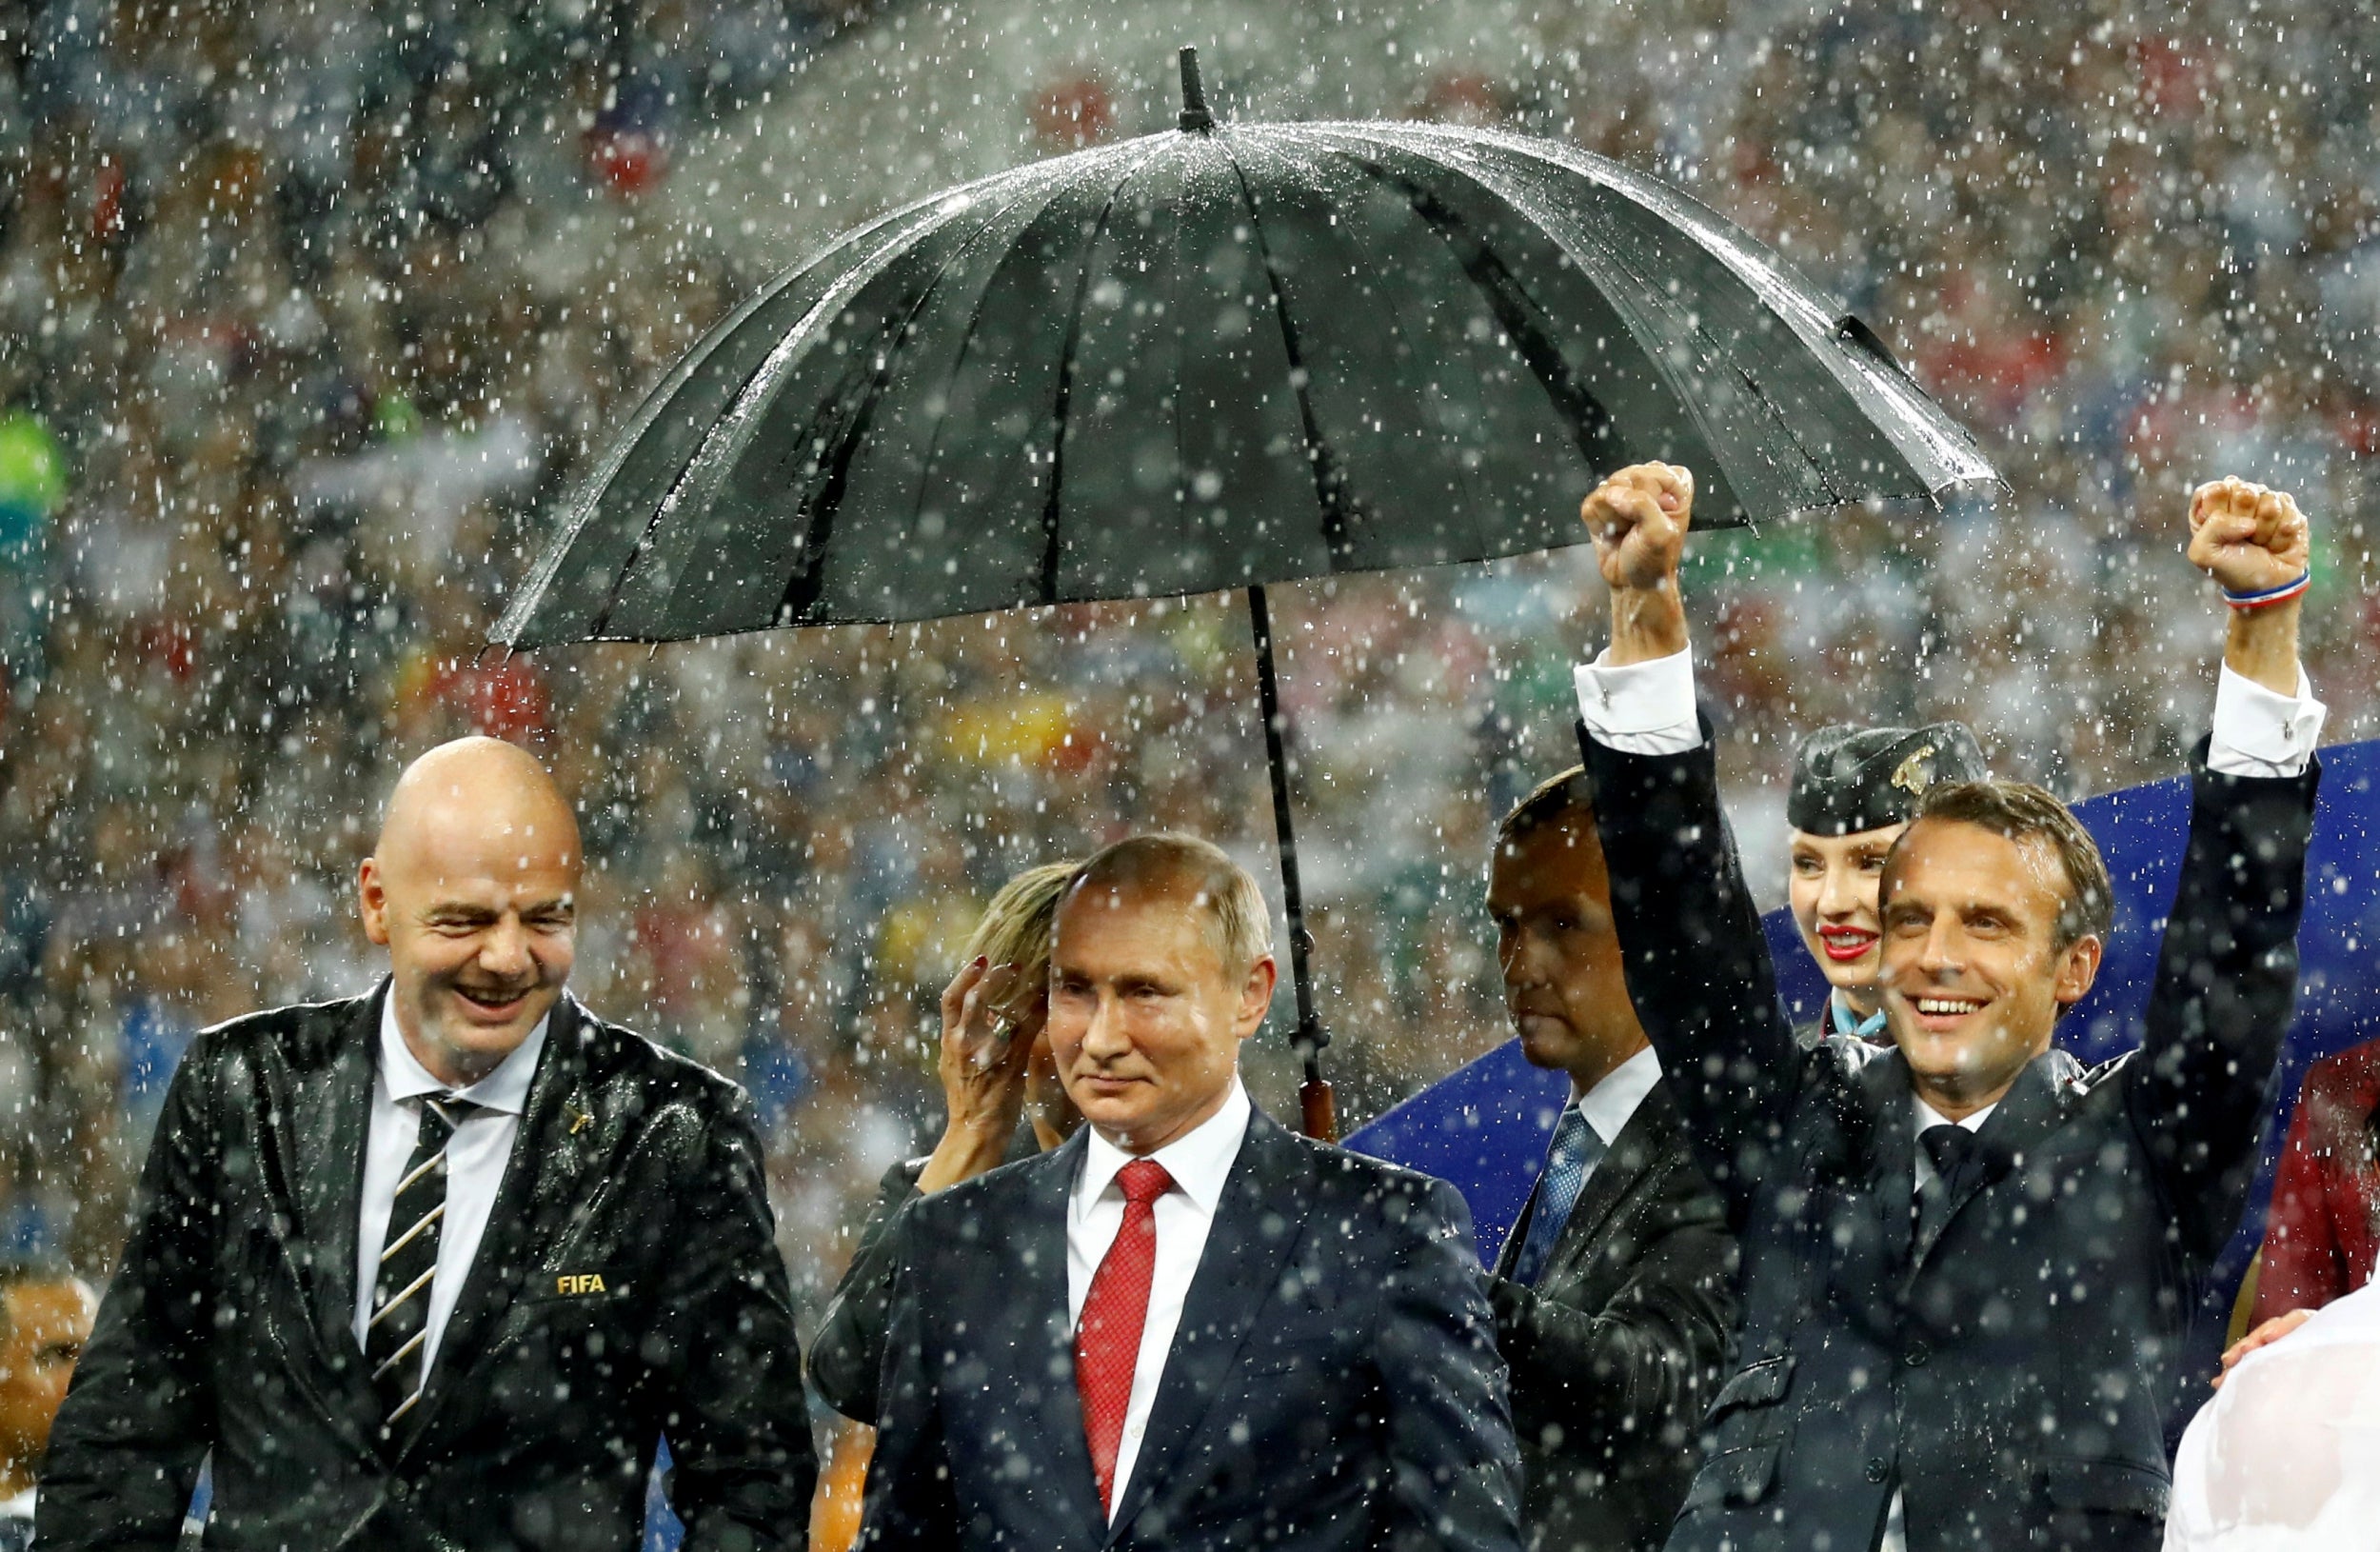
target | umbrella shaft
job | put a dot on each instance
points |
(1309, 1037)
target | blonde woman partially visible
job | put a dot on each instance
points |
(996, 1077)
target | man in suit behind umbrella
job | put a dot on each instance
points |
(1614, 1294)
(1968, 1263)
(1186, 1327)
(439, 1266)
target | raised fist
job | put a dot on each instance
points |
(2248, 538)
(1639, 519)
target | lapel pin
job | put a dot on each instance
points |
(577, 1120)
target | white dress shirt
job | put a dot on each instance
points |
(475, 1164)
(1616, 1094)
(1200, 1163)
(1649, 709)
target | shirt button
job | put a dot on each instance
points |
(400, 1490)
(1918, 1353)
(1880, 1468)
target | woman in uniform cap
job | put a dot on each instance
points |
(1855, 789)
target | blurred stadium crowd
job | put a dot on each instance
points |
(310, 308)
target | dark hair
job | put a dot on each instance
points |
(1550, 802)
(2021, 811)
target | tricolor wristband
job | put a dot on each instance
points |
(2271, 595)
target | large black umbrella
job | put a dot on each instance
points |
(1216, 358)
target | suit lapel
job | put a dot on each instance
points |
(540, 1188)
(1884, 1094)
(1259, 1221)
(2029, 1111)
(329, 1122)
(314, 1133)
(1509, 1252)
(1624, 1164)
(1042, 1345)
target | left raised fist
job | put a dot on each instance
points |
(2248, 538)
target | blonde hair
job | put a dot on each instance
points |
(1015, 925)
(1238, 923)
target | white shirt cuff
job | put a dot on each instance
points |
(1639, 707)
(2259, 733)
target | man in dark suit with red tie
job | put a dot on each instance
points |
(439, 1266)
(1186, 1327)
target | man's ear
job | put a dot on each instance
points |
(1256, 997)
(2077, 968)
(372, 896)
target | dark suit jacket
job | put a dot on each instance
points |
(848, 1355)
(1617, 1349)
(1333, 1384)
(2012, 1369)
(228, 1327)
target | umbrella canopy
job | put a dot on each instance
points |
(1218, 357)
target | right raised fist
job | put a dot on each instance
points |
(1639, 519)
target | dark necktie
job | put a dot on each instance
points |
(1950, 1147)
(409, 1259)
(1107, 1344)
(1576, 1151)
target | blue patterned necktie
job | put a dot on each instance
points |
(1576, 1151)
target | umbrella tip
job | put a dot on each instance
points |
(1195, 118)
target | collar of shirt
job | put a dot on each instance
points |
(1200, 1160)
(1845, 1020)
(1610, 1104)
(20, 1506)
(1923, 1116)
(505, 1090)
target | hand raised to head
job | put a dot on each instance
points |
(983, 1063)
(985, 1057)
(1638, 520)
(2246, 537)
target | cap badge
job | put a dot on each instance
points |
(1913, 775)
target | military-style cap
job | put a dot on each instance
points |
(1852, 779)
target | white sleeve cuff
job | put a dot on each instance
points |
(2259, 733)
(1640, 707)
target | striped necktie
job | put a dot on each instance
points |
(1575, 1152)
(395, 1339)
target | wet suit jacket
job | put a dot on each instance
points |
(628, 1284)
(1333, 1384)
(847, 1357)
(2011, 1372)
(1616, 1349)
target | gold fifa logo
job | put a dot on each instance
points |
(1913, 775)
(579, 1282)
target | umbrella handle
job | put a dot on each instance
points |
(1320, 1112)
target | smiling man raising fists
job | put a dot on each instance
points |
(1968, 1261)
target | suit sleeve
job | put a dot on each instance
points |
(2225, 979)
(734, 1414)
(910, 1501)
(1454, 1466)
(139, 1418)
(2303, 1266)
(847, 1356)
(1638, 1372)
(1696, 960)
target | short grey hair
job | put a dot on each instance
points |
(1238, 923)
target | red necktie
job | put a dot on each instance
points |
(1107, 1344)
